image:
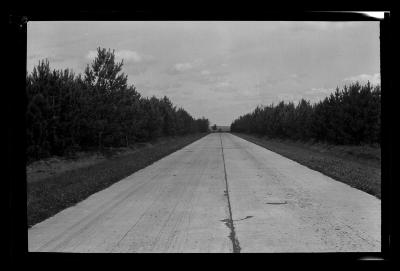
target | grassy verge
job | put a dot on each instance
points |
(55, 193)
(357, 166)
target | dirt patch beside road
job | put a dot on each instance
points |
(53, 166)
(42, 169)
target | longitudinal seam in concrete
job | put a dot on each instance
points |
(229, 221)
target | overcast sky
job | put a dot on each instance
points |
(219, 70)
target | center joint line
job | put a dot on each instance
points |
(229, 221)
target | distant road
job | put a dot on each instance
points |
(219, 194)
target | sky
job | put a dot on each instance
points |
(219, 69)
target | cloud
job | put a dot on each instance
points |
(134, 63)
(185, 67)
(223, 87)
(319, 91)
(161, 88)
(223, 84)
(128, 56)
(166, 85)
(267, 83)
(182, 67)
(198, 71)
(288, 97)
(374, 79)
(92, 54)
(56, 61)
(206, 77)
(316, 94)
(50, 57)
(135, 69)
(35, 56)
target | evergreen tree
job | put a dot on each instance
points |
(347, 116)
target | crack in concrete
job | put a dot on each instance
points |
(247, 217)
(276, 202)
(229, 221)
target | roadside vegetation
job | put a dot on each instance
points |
(357, 166)
(338, 136)
(67, 113)
(94, 114)
(50, 195)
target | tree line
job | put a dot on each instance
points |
(68, 112)
(351, 115)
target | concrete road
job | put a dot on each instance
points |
(219, 194)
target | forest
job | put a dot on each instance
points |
(349, 116)
(66, 113)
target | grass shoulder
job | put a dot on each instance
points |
(357, 166)
(68, 182)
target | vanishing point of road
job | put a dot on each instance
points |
(218, 194)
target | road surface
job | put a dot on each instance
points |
(218, 194)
